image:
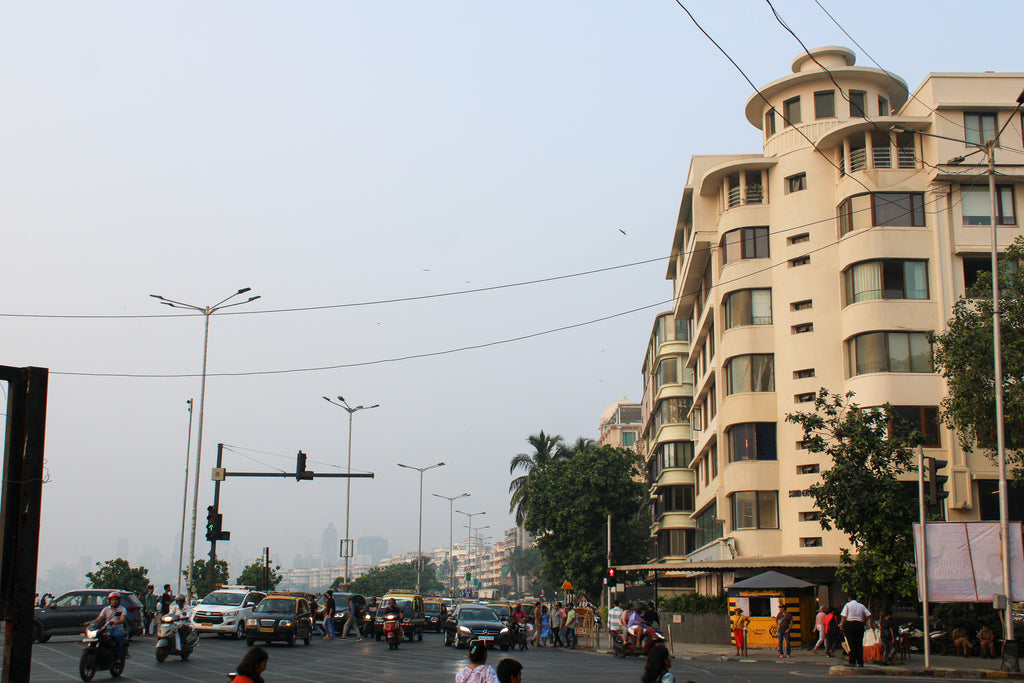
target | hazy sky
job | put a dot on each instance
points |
(329, 153)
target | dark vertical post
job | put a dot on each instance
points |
(216, 506)
(19, 514)
(266, 568)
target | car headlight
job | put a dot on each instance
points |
(230, 618)
(464, 629)
(250, 622)
(505, 630)
(284, 623)
(167, 619)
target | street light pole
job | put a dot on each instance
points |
(184, 496)
(451, 542)
(206, 311)
(343, 404)
(469, 536)
(419, 547)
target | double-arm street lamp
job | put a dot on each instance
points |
(451, 542)
(343, 404)
(419, 546)
(469, 536)
(206, 311)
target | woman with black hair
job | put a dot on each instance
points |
(478, 671)
(658, 663)
(252, 666)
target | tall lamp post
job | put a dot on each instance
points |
(469, 536)
(206, 311)
(343, 404)
(419, 547)
(184, 496)
(451, 540)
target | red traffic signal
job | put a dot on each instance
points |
(611, 572)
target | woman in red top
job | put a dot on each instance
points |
(252, 666)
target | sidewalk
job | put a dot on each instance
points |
(945, 666)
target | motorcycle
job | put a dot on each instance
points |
(99, 652)
(171, 642)
(909, 633)
(627, 647)
(521, 634)
(393, 630)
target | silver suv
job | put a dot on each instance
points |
(225, 610)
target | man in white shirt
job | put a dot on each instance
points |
(614, 616)
(854, 616)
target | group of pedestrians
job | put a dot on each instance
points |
(556, 626)
(351, 621)
(155, 606)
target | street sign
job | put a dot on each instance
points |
(218, 473)
(346, 548)
(469, 576)
(567, 586)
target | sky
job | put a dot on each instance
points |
(371, 164)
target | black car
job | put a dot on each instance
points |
(341, 609)
(67, 614)
(280, 617)
(434, 614)
(471, 622)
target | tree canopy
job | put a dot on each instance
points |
(380, 580)
(255, 575)
(963, 356)
(570, 499)
(201, 579)
(860, 493)
(119, 574)
(546, 448)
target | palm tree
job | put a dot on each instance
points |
(546, 447)
(582, 444)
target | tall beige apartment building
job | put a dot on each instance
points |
(819, 262)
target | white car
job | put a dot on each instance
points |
(225, 610)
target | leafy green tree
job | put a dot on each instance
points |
(255, 575)
(581, 444)
(380, 580)
(524, 567)
(860, 493)
(119, 574)
(546, 449)
(201, 579)
(570, 500)
(963, 356)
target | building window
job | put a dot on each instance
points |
(897, 208)
(889, 352)
(677, 542)
(755, 510)
(754, 372)
(825, 104)
(807, 469)
(676, 454)
(671, 410)
(667, 372)
(797, 239)
(799, 261)
(748, 307)
(795, 183)
(752, 441)
(845, 216)
(883, 106)
(802, 328)
(810, 516)
(791, 111)
(975, 266)
(769, 123)
(977, 209)
(858, 103)
(709, 527)
(745, 243)
(886, 279)
(980, 127)
(628, 439)
(804, 398)
(677, 498)
(922, 419)
(814, 542)
(801, 305)
(803, 374)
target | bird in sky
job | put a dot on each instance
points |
(622, 231)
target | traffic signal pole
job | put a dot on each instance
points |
(213, 541)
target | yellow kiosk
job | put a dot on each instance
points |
(760, 598)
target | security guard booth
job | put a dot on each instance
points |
(760, 598)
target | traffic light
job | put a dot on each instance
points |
(936, 482)
(611, 573)
(213, 524)
(300, 467)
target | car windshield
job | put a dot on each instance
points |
(478, 614)
(431, 607)
(219, 598)
(275, 605)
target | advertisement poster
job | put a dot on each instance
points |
(965, 563)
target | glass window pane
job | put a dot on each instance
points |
(761, 242)
(766, 441)
(741, 442)
(867, 281)
(975, 206)
(767, 510)
(762, 372)
(1004, 206)
(857, 106)
(915, 278)
(869, 353)
(892, 278)
(899, 352)
(732, 245)
(761, 306)
(738, 374)
(824, 104)
(744, 510)
(920, 352)
(892, 208)
(738, 309)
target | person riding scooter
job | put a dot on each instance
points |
(114, 618)
(180, 611)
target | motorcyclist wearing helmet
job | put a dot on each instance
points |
(114, 617)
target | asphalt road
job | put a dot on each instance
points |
(418, 662)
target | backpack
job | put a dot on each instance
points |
(832, 628)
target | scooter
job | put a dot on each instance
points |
(99, 652)
(627, 647)
(915, 636)
(393, 630)
(170, 640)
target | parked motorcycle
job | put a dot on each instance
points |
(915, 637)
(627, 647)
(99, 652)
(170, 641)
(393, 630)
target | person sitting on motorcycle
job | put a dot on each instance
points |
(635, 626)
(392, 608)
(114, 618)
(520, 620)
(180, 611)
